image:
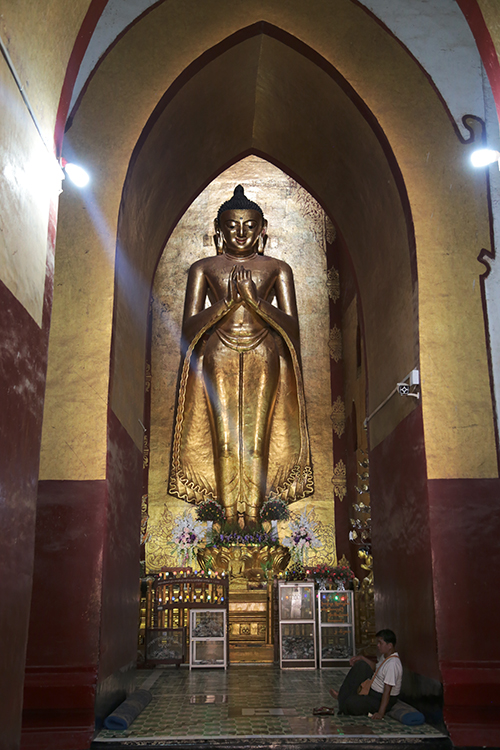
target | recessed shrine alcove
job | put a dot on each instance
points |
(299, 232)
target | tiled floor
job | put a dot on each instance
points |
(248, 702)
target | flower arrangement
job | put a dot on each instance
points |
(186, 534)
(274, 509)
(339, 574)
(231, 537)
(210, 510)
(302, 536)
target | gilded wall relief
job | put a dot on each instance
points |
(339, 480)
(333, 284)
(311, 209)
(160, 552)
(338, 416)
(144, 519)
(330, 231)
(335, 343)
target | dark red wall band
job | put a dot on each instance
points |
(485, 45)
(87, 29)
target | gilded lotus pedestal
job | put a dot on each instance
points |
(252, 560)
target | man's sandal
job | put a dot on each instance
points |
(324, 711)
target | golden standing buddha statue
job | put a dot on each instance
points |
(240, 433)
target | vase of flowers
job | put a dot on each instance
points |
(302, 537)
(272, 511)
(210, 510)
(213, 514)
(343, 577)
(186, 536)
(339, 577)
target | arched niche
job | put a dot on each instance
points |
(299, 233)
(351, 52)
(270, 96)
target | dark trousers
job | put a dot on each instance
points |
(360, 705)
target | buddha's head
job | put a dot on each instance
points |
(240, 227)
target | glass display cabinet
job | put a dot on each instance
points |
(166, 646)
(336, 627)
(297, 624)
(208, 644)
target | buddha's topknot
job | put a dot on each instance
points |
(239, 201)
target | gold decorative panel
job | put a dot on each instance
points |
(144, 519)
(333, 284)
(339, 480)
(312, 211)
(145, 452)
(338, 416)
(335, 343)
(331, 232)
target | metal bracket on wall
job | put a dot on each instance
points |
(409, 386)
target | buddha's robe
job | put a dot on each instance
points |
(240, 431)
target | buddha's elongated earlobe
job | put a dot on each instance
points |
(219, 243)
(262, 242)
(218, 239)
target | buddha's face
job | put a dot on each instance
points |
(241, 230)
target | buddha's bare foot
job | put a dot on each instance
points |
(334, 693)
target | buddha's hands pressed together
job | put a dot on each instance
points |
(233, 295)
(246, 286)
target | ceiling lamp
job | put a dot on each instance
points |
(76, 174)
(484, 156)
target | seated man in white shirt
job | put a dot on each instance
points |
(386, 676)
